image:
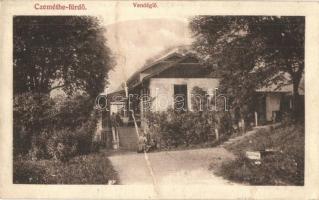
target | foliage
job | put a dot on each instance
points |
(31, 113)
(56, 129)
(184, 128)
(199, 99)
(61, 52)
(251, 52)
(66, 52)
(274, 170)
(62, 145)
(24, 172)
(87, 169)
(178, 128)
(284, 167)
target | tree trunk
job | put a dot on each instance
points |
(297, 105)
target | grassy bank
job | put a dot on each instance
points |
(88, 169)
(283, 167)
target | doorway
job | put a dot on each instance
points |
(180, 97)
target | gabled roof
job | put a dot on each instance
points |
(167, 56)
(284, 86)
(182, 57)
(178, 56)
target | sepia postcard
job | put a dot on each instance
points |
(159, 100)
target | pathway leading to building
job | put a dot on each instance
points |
(176, 167)
(170, 167)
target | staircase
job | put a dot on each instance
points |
(128, 138)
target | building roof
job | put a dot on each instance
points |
(181, 62)
(284, 86)
(180, 59)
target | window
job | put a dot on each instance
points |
(180, 97)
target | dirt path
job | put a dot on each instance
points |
(173, 167)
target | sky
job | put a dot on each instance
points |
(134, 41)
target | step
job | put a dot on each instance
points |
(128, 138)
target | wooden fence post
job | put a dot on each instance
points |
(217, 134)
(243, 125)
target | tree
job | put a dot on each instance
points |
(56, 52)
(66, 52)
(251, 52)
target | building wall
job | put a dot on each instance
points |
(162, 90)
(272, 104)
(116, 107)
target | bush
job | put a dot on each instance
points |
(57, 128)
(87, 169)
(27, 173)
(184, 128)
(62, 145)
(65, 144)
(31, 117)
(285, 167)
(84, 136)
(274, 170)
(96, 145)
